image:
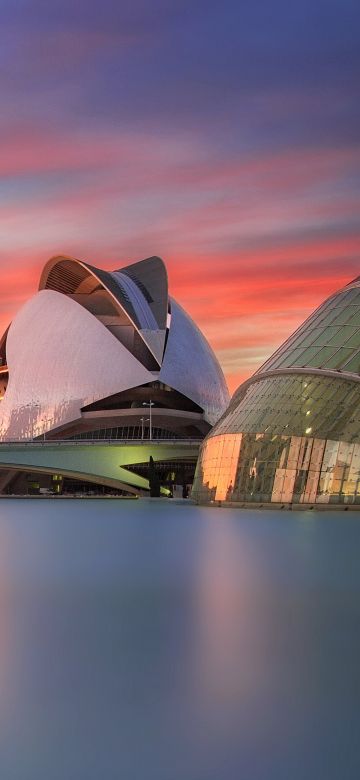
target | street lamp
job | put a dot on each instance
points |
(143, 420)
(32, 406)
(45, 420)
(149, 404)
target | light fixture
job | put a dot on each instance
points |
(150, 404)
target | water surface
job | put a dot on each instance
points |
(159, 641)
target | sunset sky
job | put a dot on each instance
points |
(222, 135)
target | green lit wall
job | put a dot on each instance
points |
(102, 463)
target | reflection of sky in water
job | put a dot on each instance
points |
(141, 640)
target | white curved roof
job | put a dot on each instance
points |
(90, 333)
(191, 367)
(61, 358)
(139, 290)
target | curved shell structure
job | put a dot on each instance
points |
(95, 345)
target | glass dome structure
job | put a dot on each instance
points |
(291, 434)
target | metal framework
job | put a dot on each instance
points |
(291, 433)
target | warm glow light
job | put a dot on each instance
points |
(220, 464)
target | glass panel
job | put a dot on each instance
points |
(288, 485)
(356, 298)
(342, 309)
(287, 359)
(278, 485)
(355, 318)
(279, 405)
(343, 316)
(353, 364)
(340, 357)
(309, 495)
(303, 358)
(351, 296)
(309, 337)
(354, 340)
(342, 335)
(317, 454)
(316, 470)
(330, 317)
(322, 356)
(325, 336)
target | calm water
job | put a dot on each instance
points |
(144, 641)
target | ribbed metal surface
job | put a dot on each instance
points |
(66, 277)
(151, 277)
(134, 295)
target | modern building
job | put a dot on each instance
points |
(291, 434)
(98, 355)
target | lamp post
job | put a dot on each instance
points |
(45, 420)
(150, 404)
(31, 407)
(143, 420)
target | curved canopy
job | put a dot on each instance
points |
(139, 292)
(329, 339)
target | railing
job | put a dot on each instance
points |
(94, 442)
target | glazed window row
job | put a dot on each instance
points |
(281, 469)
(316, 406)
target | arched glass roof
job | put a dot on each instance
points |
(328, 339)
